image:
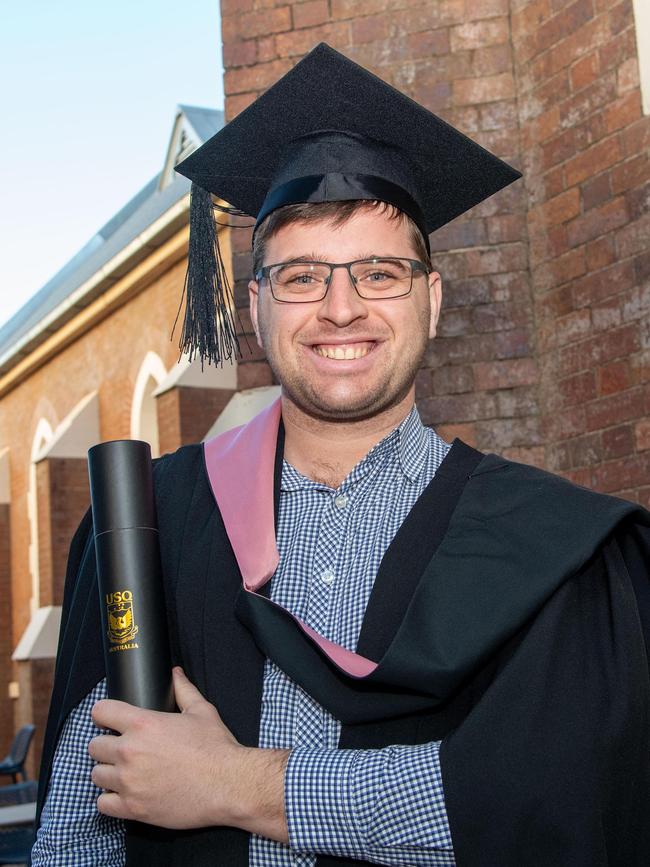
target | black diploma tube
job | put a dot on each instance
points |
(135, 636)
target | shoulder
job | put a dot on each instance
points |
(534, 490)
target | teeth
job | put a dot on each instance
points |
(342, 352)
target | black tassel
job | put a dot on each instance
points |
(209, 330)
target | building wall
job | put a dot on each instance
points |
(542, 350)
(106, 358)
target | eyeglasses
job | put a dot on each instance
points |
(303, 282)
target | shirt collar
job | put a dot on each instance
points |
(407, 442)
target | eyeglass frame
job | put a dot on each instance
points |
(416, 265)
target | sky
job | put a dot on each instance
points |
(89, 95)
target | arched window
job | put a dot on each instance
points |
(144, 420)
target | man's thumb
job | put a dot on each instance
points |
(185, 692)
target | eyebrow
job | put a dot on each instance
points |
(318, 257)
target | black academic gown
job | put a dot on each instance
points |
(510, 618)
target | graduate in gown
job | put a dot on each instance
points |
(509, 619)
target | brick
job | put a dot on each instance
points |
(585, 450)
(507, 257)
(254, 375)
(505, 229)
(614, 377)
(428, 43)
(481, 9)
(595, 191)
(607, 314)
(505, 374)
(459, 407)
(254, 78)
(465, 432)
(603, 284)
(240, 53)
(477, 90)
(600, 253)
(299, 42)
(491, 60)
(255, 23)
(642, 435)
(559, 209)
(617, 442)
(617, 49)
(565, 22)
(596, 159)
(310, 13)
(453, 379)
(626, 472)
(455, 321)
(558, 149)
(633, 239)
(623, 112)
(478, 34)
(582, 105)
(352, 8)
(459, 234)
(597, 222)
(584, 71)
(621, 16)
(618, 407)
(630, 174)
(266, 49)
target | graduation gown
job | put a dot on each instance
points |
(510, 618)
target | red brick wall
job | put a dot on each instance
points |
(62, 499)
(585, 147)
(543, 351)
(186, 414)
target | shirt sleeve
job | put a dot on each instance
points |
(72, 830)
(386, 806)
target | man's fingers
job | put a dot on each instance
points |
(110, 804)
(185, 692)
(117, 715)
(103, 748)
(105, 777)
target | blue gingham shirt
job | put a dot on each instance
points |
(382, 805)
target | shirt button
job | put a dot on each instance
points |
(327, 577)
(341, 501)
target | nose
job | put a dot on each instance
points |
(342, 304)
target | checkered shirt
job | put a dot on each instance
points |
(382, 805)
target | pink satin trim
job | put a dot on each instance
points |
(241, 464)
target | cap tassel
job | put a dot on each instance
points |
(209, 330)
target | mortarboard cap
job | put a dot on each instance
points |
(327, 131)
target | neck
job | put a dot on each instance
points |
(326, 451)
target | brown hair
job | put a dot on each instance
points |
(337, 213)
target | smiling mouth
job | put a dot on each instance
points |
(343, 351)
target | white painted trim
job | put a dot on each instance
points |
(152, 367)
(40, 639)
(190, 375)
(642, 27)
(78, 431)
(42, 437)
(5, 486)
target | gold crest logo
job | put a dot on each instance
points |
(121, 625)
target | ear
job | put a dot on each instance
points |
(253, 298)
(435, 298)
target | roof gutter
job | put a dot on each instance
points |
(21, 359)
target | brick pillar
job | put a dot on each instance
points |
(6, 708)
(585, 147)
(62, 498)
(186, 414)
(479, 379)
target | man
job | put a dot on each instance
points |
(399, 651)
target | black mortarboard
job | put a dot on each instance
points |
(327, 131)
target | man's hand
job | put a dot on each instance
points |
(185, 770)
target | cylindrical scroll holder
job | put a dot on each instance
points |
(135, 636)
